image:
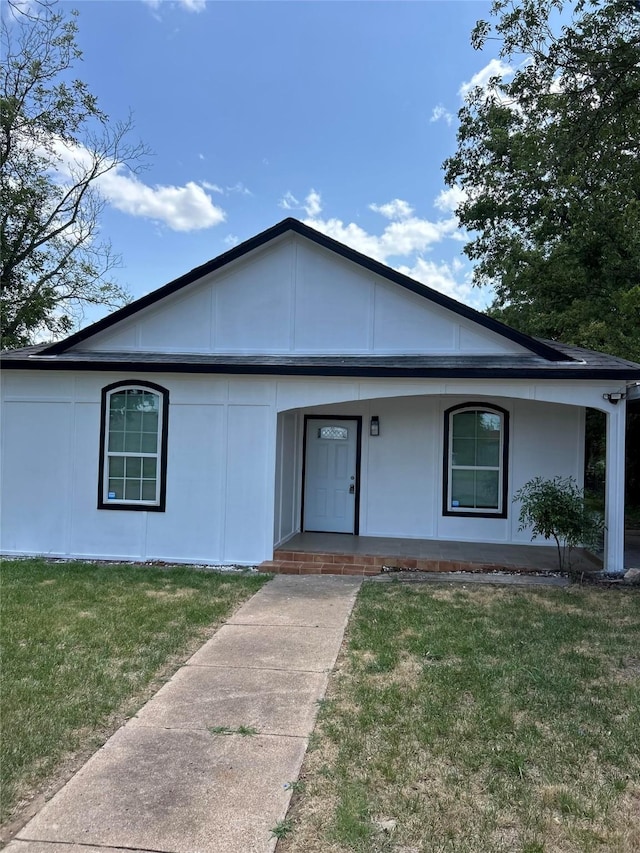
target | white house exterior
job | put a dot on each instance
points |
(216, 417)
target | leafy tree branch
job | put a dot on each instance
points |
(56, 145)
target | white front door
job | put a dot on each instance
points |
(330, 485)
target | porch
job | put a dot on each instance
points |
(336, 553)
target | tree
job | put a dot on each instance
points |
(55, 145)
(548, 157)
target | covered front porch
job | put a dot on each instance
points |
(335, 553)
(402, 513)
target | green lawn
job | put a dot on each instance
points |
(81, 644)
(476, 720)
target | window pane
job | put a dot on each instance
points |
(116, 466)
(488, 423)
(132, 490)
(135, 399)
(488, 452)
(464, 451)
(116, 441)
(148, 490)
(149, 468)
(116, 420)
(132, 442)
(463, 488)
(464, 425)
(134, 467)
(150, 421)
(333, 432)
(134, 421)
(118, 402)
(149, 442)
(151, 402)
(117, 487)
(487, 489)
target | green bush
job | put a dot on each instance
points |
(556, 509)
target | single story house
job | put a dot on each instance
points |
(293, 384)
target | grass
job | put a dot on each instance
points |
(81, 644)
(479, 719)
(244, 731)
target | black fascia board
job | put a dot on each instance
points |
(534, 345)
(370, 371)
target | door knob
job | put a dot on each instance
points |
(352, 489)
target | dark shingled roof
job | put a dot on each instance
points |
(582, 364)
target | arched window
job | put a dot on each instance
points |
(475, 460)
(133, 446)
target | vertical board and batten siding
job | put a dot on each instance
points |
(234, 465)
(296, 297)
(402, 468)
(288, 477)
(220, 482)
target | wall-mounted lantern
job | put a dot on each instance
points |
(374, 425)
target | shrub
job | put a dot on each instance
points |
(556, 509)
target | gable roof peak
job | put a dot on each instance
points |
(290, 224)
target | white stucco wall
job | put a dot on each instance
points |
(234, 464)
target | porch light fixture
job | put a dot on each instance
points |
(614, 397)
(374, 425)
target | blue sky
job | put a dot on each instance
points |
(337, 113)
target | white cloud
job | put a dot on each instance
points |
(449, 200)
(213, 187)
(405, 239)
(408, 239)
(188, 5)
(448, 279)
(494, 68)
(231, 240)
(193, 5)
(440, 113)
(240, 189)
(185, 208)
(396, 209)
(289, 202)
(312, 205)
(398, 239)
(181, 208)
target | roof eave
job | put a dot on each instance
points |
(579, 372)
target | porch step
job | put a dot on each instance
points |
(311, 567)
(307, 563)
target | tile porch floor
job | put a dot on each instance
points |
(335, 553)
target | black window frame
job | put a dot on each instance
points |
(466, 512)
(135, 506)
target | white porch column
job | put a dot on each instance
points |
(614, 506)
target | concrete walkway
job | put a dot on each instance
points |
(167, 781)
